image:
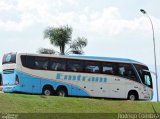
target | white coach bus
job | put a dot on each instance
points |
(76, 76)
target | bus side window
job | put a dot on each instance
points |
(126, 71)
(28, 61)
(41, 63)
(108, 68)
(93, 67)
(75, 65)
(57, 64)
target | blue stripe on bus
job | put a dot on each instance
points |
(34, 84)
(105, 58)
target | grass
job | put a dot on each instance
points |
(22, 103)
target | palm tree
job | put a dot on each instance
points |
(77, 45)
(62, 38)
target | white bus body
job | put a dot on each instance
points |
(76, 76)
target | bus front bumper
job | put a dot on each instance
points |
(9, 88)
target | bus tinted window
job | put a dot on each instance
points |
(29, 62)
(145, 76)
(94, 67)
(109, 68)
(35, 62)
(1, 79)
(126, 71)
(9, 58)
(75, 65)
(41, 63)
(57, 64)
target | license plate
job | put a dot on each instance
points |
(8, 88)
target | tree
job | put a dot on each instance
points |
(62, 37)
(46, 51)
(77, 45)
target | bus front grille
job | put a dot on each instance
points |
(8, 71)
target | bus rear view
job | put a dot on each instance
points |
(10, 79)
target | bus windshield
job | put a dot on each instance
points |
(9, 58)
(145, 76)
(0, 79)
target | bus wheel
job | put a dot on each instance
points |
(133, 96)
(47, 91)
(62, 92)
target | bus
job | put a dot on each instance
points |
(0, 81)
(86, 76)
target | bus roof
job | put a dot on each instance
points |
(113, 59)
(95, 58)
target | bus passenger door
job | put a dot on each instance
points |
(25, 83)
(29, 84)
(36, 83)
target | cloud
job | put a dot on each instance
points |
(5, 5)
(53, 12)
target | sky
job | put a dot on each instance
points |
(114, 28)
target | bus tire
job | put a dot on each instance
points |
(62, 91)
(47, 90)
(132, 95)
